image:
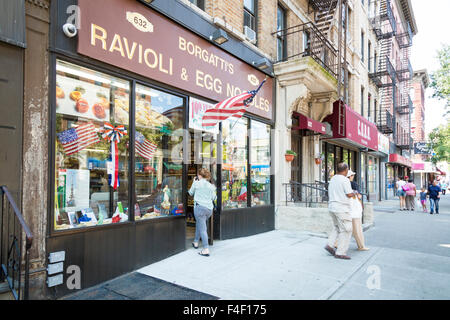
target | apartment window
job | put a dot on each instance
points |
(375, 62)
(250, 14)
(375, 111)
(369, 49)
(369, 96)
(199, 3)
(362, 46)
(306, 42)
(281, 38)
(362, 101)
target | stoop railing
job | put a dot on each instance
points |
(13, 253)
(307, 193)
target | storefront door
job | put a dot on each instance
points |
(296, 164)
(203, 155)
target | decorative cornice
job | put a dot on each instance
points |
(40, 3)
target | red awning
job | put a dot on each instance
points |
(350, 125)
(398, 159)
(309, 124)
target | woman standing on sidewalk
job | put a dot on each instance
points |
(204, 194)
(356, 213)
(401, 193)
(410, 195)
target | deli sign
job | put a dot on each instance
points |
(129, 35)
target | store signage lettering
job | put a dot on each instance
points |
(143, 41)
(363, 130)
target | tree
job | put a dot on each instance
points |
(440, 79)
(440, 143)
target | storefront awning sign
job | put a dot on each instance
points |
(398, 159)
(418, 166)
(351, 126)
(309, 124)
(134, 37)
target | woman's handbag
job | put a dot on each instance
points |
(405, 187)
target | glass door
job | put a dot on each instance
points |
(203, 155)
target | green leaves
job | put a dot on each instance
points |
(440, 143)
(440, 79)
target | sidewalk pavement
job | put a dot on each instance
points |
(289, 265)
(273, 265)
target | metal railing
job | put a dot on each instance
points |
(13, 253)
(307, 193)
(404, 39)
(385, 122)
(385, 75)
(306, 40)
(384, 30)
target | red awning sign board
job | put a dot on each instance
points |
(309, 124)
(357, 129)
(398, 159)
(418, 166)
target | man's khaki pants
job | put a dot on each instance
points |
(342, 232)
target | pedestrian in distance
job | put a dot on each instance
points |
(356, 213)
(401, 193)
(339, 194)
(444, 187)
(423, 199)
(204, 194)
(411, 193)
(434, 193)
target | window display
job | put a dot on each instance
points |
(91, 168)
(234, 163)
(260, 163)
(159, 154)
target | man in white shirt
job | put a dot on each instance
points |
(339, 194)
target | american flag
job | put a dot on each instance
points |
(144, 147)
(231, 107)
(76, 139)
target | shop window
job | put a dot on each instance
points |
(234, 163)
(260, 163)
(158, 154)
(85, 163)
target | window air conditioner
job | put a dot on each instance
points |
(250, 34)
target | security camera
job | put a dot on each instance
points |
(70, 30)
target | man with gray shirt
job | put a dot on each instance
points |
(339, 194)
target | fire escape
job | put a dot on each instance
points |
(404, 72)
(384, 75)
(325, 13)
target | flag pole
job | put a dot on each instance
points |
(256, 91)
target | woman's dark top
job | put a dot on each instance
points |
(354, 186)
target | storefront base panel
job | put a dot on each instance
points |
(105, 254)
(246, 222)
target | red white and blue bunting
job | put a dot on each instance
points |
(113, 135)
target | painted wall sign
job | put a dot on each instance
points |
(134, 37)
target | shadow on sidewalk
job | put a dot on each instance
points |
(137, 286)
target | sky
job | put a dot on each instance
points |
(433, 25)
